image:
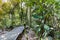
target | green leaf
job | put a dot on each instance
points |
(40, 17)
(46, 27)
(35, 16)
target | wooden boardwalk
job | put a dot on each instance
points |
(12, 35)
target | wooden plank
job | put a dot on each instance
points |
(12, 35)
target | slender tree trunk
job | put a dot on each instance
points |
(29, 16)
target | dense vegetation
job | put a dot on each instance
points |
(40, 15)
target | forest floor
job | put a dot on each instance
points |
(27, 34)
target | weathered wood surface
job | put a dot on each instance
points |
(12, 35)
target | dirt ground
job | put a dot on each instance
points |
(28, 35)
